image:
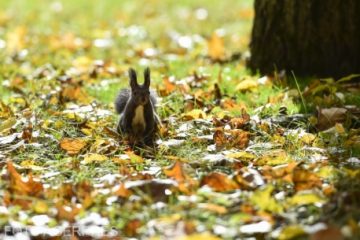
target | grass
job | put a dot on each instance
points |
(62, 53)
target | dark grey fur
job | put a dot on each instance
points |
(126, 103)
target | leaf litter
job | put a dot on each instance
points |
(228, 164)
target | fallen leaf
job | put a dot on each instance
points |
(94, 157)
(194, 114)
(175, 172)
(328, 117)
(134, 158)
(239, 138)
(241, 155)
(216, 48)
(67, 212)
(264, 201)
(247, 84)
(72, 145)
(199, 236)
(302, 198)
(291, 232)
(219, 182)
(274, 157)
(131, 227)
(220, 138)
(330, 233)
(304, 179)
(213, 208)
(122, 191)
(23, 187)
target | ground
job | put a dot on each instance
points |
(238, 155)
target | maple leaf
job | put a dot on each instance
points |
(186, 183)
(219, 182)
(72, 145)
(22, 187)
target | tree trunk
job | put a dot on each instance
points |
(309, 37)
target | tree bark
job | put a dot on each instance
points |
(309, 37)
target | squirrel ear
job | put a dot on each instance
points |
(133, 78)
(147, 77)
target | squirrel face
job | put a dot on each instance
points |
(140, 93)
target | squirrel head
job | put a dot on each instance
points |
(140, 93)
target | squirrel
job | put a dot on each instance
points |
(137, 109)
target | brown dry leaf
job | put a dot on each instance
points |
(220, 138)
(213, 208)
(240, 139)
(186, 183)
(219, 182)
(72, 145)
(167, 87)
(284, 172)
(304, 179)
(122, 191)
(132, 227)
(27, 133)
(21, 187)
(65, 212)
(331, 233)
(176, 172)
(328, 117)
(216, 48)
(240, 122)
(230, 104)
(74, 93)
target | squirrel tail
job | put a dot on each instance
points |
(121, 100)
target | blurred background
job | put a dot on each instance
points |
(171, 35)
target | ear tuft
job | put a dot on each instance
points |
(147, 77)
(133, 78)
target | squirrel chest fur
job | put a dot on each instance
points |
(138, 121)
(136, 106)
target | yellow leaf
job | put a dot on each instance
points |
(264, 201)
(291, 232)
(216, 49)
(194, 114)
(308, 138)
(134, 158)
(8, 123)
(274, 157)
(94, 157)
(304, 199)
(247, 84)
(72, 145)
(241, 155)
(41, 207)
(199, 236)
(339, 128)
(16, 39)
(87, 131)
(30, 164)
(327, 172)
